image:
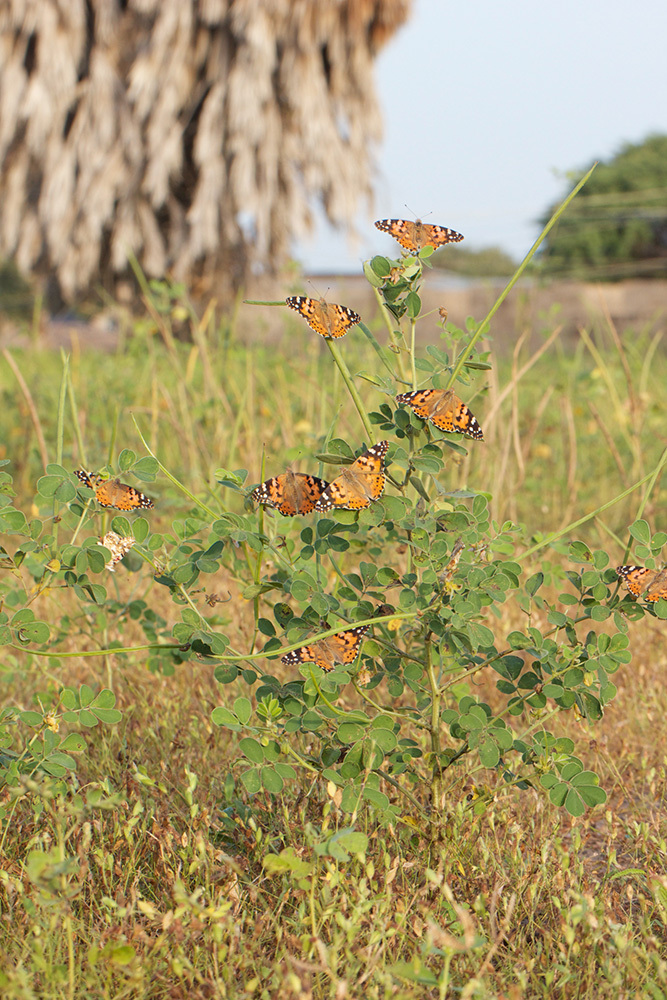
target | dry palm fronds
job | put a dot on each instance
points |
(193, 134)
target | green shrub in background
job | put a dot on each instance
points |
(618, 227)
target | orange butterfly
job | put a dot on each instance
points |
(359, 484)
(326, 318)
(639, 579)
(444, 409)
(290, 493)
(340, 648)
(113, 493)
(414, 236)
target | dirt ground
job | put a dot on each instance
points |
(633, 306)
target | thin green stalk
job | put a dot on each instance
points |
(352, 389)
(60, 426)
(60, 436)
(173, 479)
(413, 370)
(379, 350)
(554, 536)
(436, 770)
(481, 329)
(75, 423)
(233, 657)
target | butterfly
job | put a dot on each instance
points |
(342, 647)
(326, 318)
(639, 579)
(118, 546)
(113, 493)
(443, 408)
(414, 236)
(290, 493)
(359, 484)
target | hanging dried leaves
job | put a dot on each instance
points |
(193, 134)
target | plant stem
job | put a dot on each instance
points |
(481, 329)
(413, 370)
(351, 388)
(436, 773)
(650, 478)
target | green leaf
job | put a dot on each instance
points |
(32, 719)
(121, 954)
(272, 780)
(350, 732)
(489, 753)
(243, 710)
(105, 699)
(287, 861)
(223, 717)
(376, 798)
(74, 743)
(87, 718)
(68, 698)
(414, 304)
(641, 531)
(110, 716)
(252, 750)
(574, 803)
(33, 632)
(352, 841)
(251, 780)
(86, 695)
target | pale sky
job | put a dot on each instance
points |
(488, 105)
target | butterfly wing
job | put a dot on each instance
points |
(444, 409)
(326, 318)
(657, 588)
(113, 493)
(340, 648)
(414, 236)
(436, 236)
(637, 578)
(87, 478)
(290, 493)
(359, 485)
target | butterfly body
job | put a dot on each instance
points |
(342, 647)
(113, 493)
(642, 580)
(444, 409)
(326, 318)
(414, 236)
(290, 493)
(359, 484)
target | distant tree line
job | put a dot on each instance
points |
(617, 225)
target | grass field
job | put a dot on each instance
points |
(145, 873)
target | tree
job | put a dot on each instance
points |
(190, 134)
(617, 227)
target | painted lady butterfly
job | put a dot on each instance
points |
(113, 493)
(444, 409)
(290, 493)
(118, 546)
(340, 648)
(359, 484)
(414, 236)
(639, 579)
(326, 318)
